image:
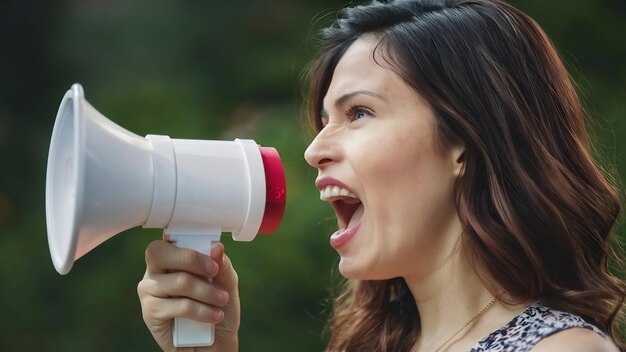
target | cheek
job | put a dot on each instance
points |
(400, 171)
(408, 191)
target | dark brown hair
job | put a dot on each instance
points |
(538, 213)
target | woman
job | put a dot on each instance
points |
(452, 147)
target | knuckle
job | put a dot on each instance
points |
(191, 258)
(183, 282)
(147, 288)
(203, 313)
(187, 307)
(141, 288)
(148, 309)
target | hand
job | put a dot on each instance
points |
(176, 285)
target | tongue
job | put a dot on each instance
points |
(356, 217)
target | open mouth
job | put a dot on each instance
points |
(347, 205)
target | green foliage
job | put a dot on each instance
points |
(210, 70)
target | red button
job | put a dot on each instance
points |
(276, 196)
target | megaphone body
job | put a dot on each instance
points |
(102, 179)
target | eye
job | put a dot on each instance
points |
(358, 112)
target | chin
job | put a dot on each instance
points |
(355, 269)
(350, 269)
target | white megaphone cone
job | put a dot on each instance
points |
(99, 180)
(102, 179)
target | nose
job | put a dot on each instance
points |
(323, 150)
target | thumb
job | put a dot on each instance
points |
(226, 276)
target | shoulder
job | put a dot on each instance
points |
(574, 340)
(540, 328)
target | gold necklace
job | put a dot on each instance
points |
(482, 311)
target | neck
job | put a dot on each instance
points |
(449, 297)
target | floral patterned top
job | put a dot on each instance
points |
(527, 329)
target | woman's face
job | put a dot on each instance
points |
(379, 167)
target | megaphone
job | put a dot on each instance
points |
(102, 179)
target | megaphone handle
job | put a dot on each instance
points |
(187, 332)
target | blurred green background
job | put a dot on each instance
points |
(208, 70)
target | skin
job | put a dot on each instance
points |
(176, 285)
(390, 137)
(376, 128)
(410, 227)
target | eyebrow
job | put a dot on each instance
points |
(342, 99)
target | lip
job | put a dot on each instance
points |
(323, 182)
(340, 211)
(343, 235)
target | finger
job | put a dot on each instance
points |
(217, 252)
(226, 276)
(157, 309)
(163, 257)
(183, 284)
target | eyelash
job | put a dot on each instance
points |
(352, 111)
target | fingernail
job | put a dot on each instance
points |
(211, 268)
(223, 297)
(214, 248)
(218, 315)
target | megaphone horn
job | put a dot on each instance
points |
(102, 179)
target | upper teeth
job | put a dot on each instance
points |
(334, 192)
